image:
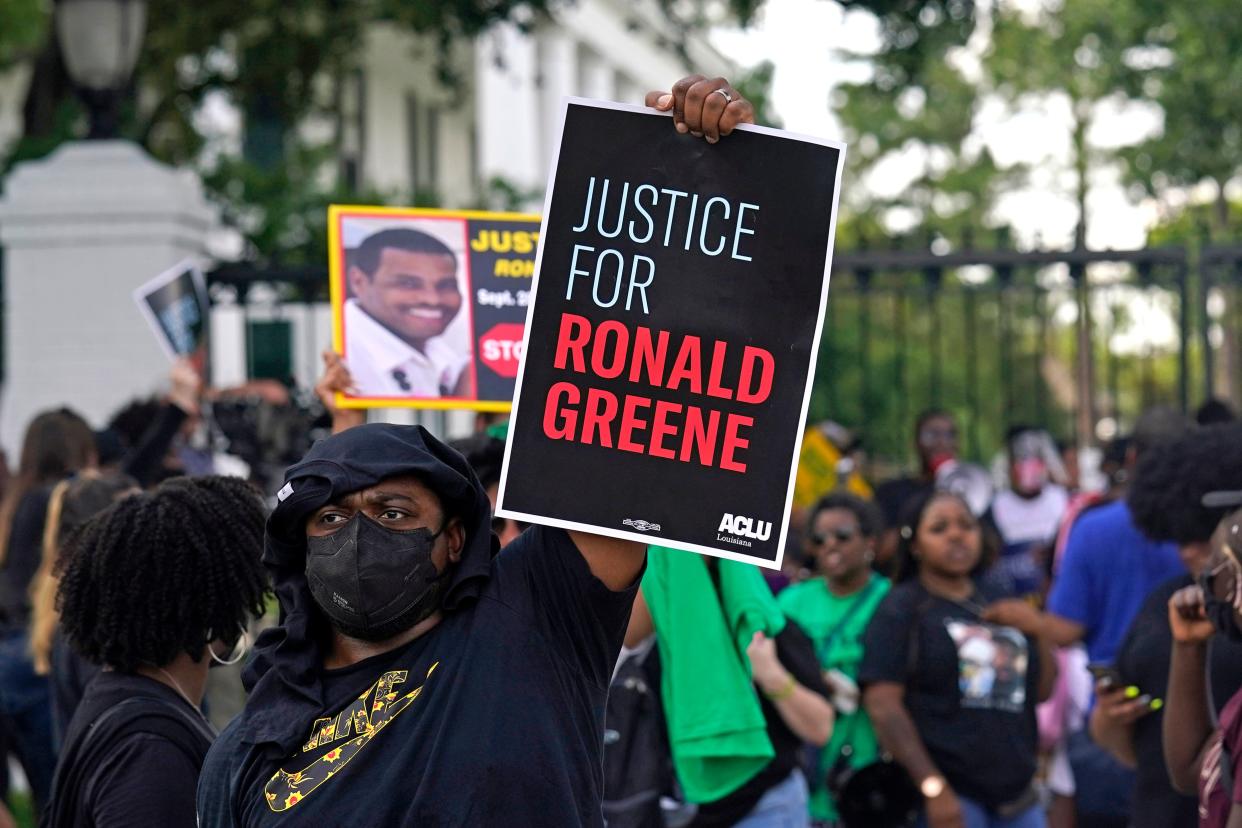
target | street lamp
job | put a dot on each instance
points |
(100, 41)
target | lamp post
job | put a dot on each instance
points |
(100, 41)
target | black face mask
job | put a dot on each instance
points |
(373, 582)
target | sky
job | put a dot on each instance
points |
(803, 38)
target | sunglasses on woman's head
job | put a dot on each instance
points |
(1207, 577)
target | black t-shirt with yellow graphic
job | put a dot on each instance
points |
(495, 717)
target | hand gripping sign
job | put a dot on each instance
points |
(679, 297)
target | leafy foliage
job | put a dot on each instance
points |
(1187, 61)
(919, 105)
(23, 28)
(1196, 224)
(756, 87)
(281, 211)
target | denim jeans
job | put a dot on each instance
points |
(26, 714)
(783, 806)
(975, 815)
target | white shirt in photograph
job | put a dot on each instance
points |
(383, 364)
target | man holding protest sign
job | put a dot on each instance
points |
(392, 599)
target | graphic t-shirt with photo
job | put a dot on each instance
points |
(970, 688)
(992, 665)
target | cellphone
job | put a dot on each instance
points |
(1105, 674)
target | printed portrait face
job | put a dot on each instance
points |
(413, 293)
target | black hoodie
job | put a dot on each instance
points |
(505, 696)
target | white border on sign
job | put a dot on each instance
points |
(151, 285)
(501, 511)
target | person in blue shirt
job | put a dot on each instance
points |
(1110, 567)
(1108, 570)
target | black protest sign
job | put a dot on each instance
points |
(679, 297)
(175, 305)
(429, 306)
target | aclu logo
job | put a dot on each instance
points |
(735, 528)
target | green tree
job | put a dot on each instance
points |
(1186, 61)
(24, 28)
(919, 103)
(1072, 49)
(279, 61)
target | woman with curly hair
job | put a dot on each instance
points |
(154, 589)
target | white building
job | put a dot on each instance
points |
(406, 133)
(401, 132)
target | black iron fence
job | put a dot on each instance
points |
(1079, 342)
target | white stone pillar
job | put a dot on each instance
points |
(598, 80)
(558, 69)
(506, 103)
(80, 230)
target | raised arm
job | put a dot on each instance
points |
(1187, 726)
(337, 380)
(615, 562)
(144, 460)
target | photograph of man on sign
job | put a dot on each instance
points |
(404, 330)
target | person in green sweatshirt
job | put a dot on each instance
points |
(834, 610)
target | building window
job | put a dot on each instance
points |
(269, 349)
(351, 127)
(423, 129)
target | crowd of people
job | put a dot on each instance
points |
(957, 652)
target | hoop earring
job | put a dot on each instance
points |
(239, 651)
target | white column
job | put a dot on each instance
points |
(598, 80)
(558, 67)
(629, 91)
(80, 230)
(506, 67)
(228, 346)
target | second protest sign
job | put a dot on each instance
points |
(429, 305)
(679, 296)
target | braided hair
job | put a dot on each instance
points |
(164, 572)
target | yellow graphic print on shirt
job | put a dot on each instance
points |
(284, 790)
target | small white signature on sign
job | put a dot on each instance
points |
(642, 525)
